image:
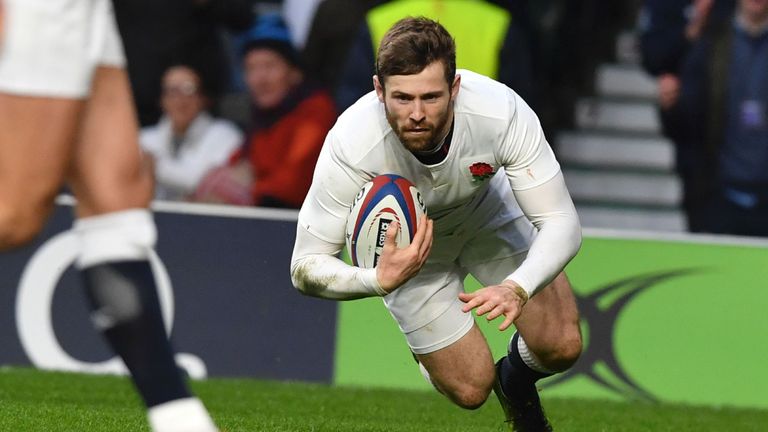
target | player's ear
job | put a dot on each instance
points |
(379, 88)
(455, 86)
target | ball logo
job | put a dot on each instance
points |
(381, 238)
(385, 199)
(34, 318)
(383, 227)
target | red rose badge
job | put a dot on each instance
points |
(481, 171)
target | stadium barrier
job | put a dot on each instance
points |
(675, 318)
(225, 275)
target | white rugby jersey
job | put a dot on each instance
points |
(492, 126)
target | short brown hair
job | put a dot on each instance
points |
(411, 45)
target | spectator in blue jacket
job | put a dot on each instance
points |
(722, 121)
(668, 28)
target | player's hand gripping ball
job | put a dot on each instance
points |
(384, 199)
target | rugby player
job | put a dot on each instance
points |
(67, 117)
(498, 209)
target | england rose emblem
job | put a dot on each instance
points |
(481, 171)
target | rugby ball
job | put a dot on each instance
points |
(384, 199)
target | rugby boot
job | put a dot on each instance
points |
(522, 409)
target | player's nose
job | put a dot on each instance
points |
(417, 112)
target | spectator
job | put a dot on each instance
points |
(500, 51)
(298, 17)
(291, 117)
(722, 121)
(187, 142)
(333, 29)
(667, 28)
(159, 34)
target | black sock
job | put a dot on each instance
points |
(515, 376)
(124, 297)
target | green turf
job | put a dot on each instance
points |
(31, 400)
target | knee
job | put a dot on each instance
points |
(470, 396)
(563, 354)
(19, 225)
(136, 190)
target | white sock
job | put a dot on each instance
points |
(181, 415)
(425, 374)
(529, 358)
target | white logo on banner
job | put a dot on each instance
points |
(34, 320)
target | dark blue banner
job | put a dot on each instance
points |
(225, 288)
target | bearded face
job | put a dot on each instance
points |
(419, 107)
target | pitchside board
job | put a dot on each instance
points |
(233, 310)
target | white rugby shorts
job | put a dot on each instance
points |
(427, 307)
(50, 48)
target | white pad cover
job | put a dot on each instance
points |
(120, 236)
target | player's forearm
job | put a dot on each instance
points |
(551, 210)
(328, 277)
(555, 245)
(316, 271)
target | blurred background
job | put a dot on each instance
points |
(580, 64)
(624, 91)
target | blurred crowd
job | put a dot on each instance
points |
(235, 96)
(710, 58)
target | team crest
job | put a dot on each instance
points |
(481, 171)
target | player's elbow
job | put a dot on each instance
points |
(302, 281)
(306, 288)
(576, 236)
(298, 277)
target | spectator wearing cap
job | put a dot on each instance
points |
(160, 34)
(187, 142)
(290, 118)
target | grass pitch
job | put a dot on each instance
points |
(32, 400)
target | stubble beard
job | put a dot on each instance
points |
(422, 144)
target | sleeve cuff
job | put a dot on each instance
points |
(520, 280)
(371, 282)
